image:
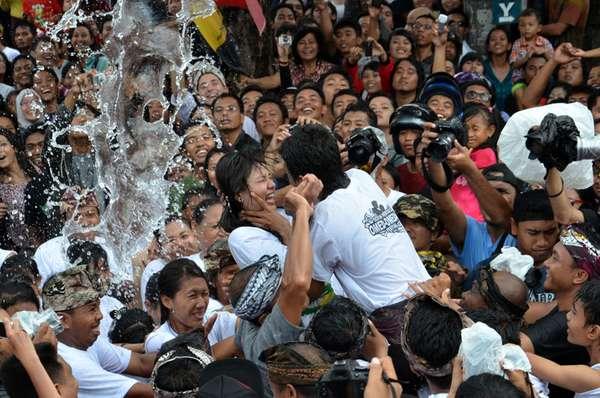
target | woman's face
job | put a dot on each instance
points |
(32, 107)
(212, 167)
(7, 153)
(571, 72)
(308, 48)
(371, 81)
(197, 142)
(383, 108)
(400, 47)
(405, 78)
(189, 304)
(499, 43)
(260, 183)
(209, 230)
(81, 38)
(45, 54)
(180, 240)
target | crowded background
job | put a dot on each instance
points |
(369, 198)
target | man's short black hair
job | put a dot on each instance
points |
(346, 91)
(86, 252)
(229, 95)
(17, 380)
(361, 106)
(334, 71)
(313, 149)
(249, 89)
(589, 296)
(533, 205)
(531, 12)
(21, 23)
(433, 333)
(279, 7)
(487, 385)
(348, 23)
(270, 99)
(309, 85)
(583, 88)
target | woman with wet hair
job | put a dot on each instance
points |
(251, 217)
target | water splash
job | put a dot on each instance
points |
(146, 49)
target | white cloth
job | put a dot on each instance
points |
(393, 197)
(466, 48)
(11, 53)
(51, 257)
(96, 369)
(359, 238)
(222, 327)
(595, 393)
(157, 265)
(107, 305)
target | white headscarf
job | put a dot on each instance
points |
(23, 122)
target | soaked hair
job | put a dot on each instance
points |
(19, 267)
(238, 283)
(171, 277)
(130, 326)
(152, 293)
(233, 171)
(339, 328)
(487, 385)
(17, 292)
(312, 149)
(200, 211)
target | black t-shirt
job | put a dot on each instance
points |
(591, 217)
(534, 279)
(549, 338)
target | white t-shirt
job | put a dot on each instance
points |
(249, 244)
(223, 328)
(213, 307)
(107, 305)
(359, 238)
(393, 197)
(157, 265)
(96, 369)
(51, 257)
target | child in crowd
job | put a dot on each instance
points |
(481, 127)
(529, 43)
(583, 329)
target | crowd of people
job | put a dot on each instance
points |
(344, 225)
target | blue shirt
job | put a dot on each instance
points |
(502, 88)
(477, 247)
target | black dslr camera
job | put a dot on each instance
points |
(449, 130)
(362, 144)
(345, 379)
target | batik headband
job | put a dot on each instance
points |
(198, 355)
(416, 362)
(583, 251)
(260, 289)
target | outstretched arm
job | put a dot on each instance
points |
(297, 274)
(577, 378)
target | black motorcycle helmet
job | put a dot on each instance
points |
(409, 116)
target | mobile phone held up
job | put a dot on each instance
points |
(285, 40)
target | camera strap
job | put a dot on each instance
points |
(432, 184)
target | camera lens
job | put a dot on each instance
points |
(360, 152)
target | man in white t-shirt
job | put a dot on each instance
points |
(96, 363)
(356, 235)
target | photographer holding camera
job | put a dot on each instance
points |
(472, 241)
